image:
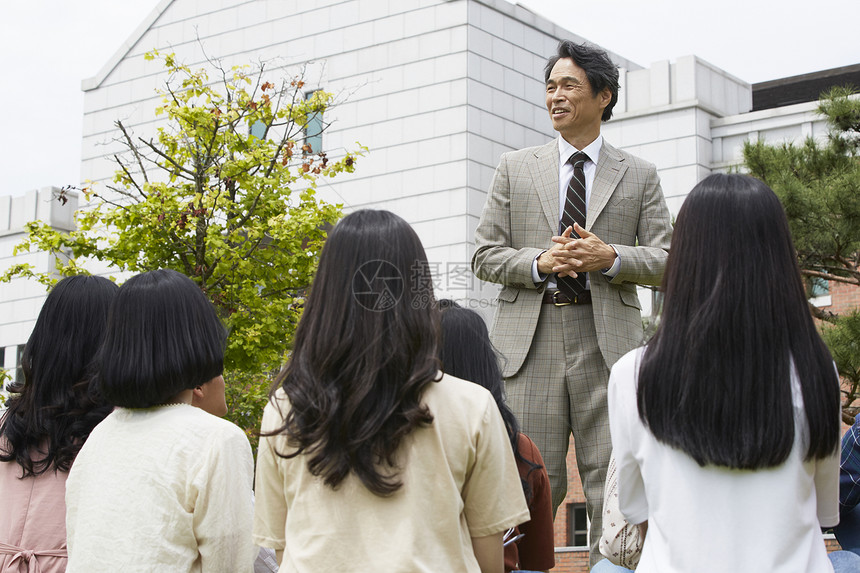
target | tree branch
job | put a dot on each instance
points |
(821, 314)
(130, 178)
(247, 215)
(190, 174)
(831, 277)
(111, 202)
(134, 151)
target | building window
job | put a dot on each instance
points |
(5, 367)
(577, 525)
(19, 370)
(11, 364)
(258, 129)
(313, 129)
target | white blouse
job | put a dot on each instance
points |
(713, 519)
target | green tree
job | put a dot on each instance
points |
(819, 186)
(225, 192)
(4, 377)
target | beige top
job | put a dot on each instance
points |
(459, 481)
(161, 489)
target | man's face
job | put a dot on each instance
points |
(575, 112)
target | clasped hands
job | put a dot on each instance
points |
(570, 255)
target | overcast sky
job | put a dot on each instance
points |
(48, 46)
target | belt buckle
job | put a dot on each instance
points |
(555, 299)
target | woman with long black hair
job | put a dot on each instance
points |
(372, 459)
(49, 418)
(725, 426)
(468, 353)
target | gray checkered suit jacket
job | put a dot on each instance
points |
(626, 209)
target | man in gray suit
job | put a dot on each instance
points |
(559, 339)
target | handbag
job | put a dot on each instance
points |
(621, 541)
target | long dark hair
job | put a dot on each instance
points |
(364, 350)
(715, 380)
(467, 353)
(163, 336)
(53, 411)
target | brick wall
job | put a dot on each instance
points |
(832, 544)
(569, 560)
(844, 297)
(574, 561)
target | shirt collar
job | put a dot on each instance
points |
(592, 150)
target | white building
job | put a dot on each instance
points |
(21, 299)
(436, 89)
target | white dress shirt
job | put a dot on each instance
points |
(565, 172)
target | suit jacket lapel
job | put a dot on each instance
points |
(544, 172)
(610, 170)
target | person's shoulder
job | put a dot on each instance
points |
(275, 411)
(226, 437)
(213, 426)
(528, 449)
(630, 359)
(528, 152)
(278, 400)
(855, 427)
(106, 426)
(453, 385)
(626, 366)
(456, 393)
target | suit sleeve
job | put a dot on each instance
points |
(495, 259)
(645, 262)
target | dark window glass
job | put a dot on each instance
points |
(19, 372)
(577, 525)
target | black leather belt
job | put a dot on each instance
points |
(558, 298)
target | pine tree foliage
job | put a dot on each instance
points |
(818, 183)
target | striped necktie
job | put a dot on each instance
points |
(574, 212)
